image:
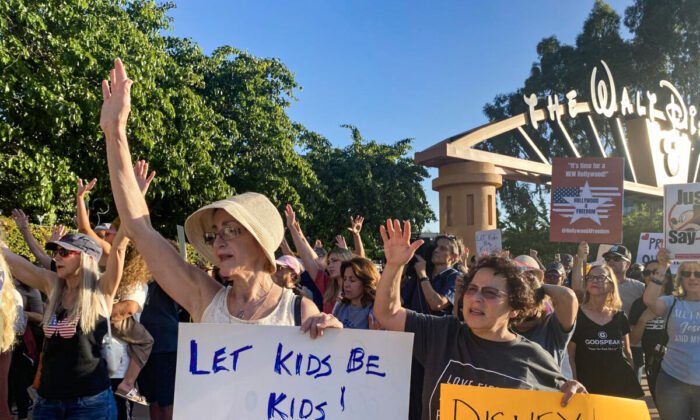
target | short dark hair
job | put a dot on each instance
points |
(453, 242)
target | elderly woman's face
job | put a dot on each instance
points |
(67, 266)
(689, 279)
(598, 281)
(486, 301)
(239, 250)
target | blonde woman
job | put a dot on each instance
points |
(8, 317)
(74, 382)
(599, 351)
(678, 382)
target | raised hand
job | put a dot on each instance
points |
(290, 216)
(57, 232)
(21, 220)
(142, 176)
(117, 100)
(356, 224)
(533, 253)
(582, 250)
(397, 247)
(85, 188)
(340, 241)
(318, 243)
(664, 257)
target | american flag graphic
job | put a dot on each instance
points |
(562, 195)
(65, 328)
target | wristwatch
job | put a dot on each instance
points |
(422, 279)
(656, 281)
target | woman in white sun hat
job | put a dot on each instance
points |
(239, 234)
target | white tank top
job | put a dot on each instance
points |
(217, 311)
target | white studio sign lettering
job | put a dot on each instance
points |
(672, 164)
(251, 372)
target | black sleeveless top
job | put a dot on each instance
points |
(72, 366)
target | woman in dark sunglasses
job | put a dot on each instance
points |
(74, 380)
(678, 382)
(599, 351)
(481, 350)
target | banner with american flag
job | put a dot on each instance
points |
(587, 196)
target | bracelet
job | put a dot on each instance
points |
(656, 281)
(422, 279)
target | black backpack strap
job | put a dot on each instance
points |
(297, 310)
(670, 311)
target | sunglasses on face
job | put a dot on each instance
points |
(488, 293)
(553, 275)
(598, 279)
(63, 252)
(646, 273)
(615, 258)
(226, 233)
(687, 274)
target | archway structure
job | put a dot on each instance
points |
(652, 136)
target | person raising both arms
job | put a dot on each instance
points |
(239, 235)
(678, 381)
(481, 350)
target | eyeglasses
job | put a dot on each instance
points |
(615, 258)
(226, 233)
(649, 272)
(598, 279)
(687, 274)
(488, 293)
(63, 252)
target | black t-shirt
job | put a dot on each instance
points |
(72, 366)
(600, 363)
(160, 317)
(451, 354)
(654, 330)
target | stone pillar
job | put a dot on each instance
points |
(467, 199)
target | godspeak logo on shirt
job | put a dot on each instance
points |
(467, 374)
(602, 335)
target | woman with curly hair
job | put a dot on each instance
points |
(599, 351)
(479, 348)
(360, 278)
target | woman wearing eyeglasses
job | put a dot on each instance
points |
(239, 235)
(74, 382)
(599, 351)
(482, 350)
(678, 382)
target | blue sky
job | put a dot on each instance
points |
(394, 69)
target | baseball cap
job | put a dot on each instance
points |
(291, 262)
(556, 266)
(77, 242)
(103, 226)
(620, 250)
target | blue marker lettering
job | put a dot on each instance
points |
(272, 405)
(342, 398)
(304, 403)
(193, 360)
(218, 359)
(372, 358)
(235, 354)
(300, 358)
(279, 361)
(355, 361)
(309, 371)
(320, 408)
(326, 364)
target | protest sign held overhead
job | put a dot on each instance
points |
(586, 200)
(266, 372)
(464, 402)
(488, 241)
(682, 220)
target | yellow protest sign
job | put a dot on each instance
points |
(462, 402)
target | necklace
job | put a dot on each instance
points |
(259, 305)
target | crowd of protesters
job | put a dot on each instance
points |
(90, 328)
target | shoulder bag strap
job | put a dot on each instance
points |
(104, 306)
(297, 310)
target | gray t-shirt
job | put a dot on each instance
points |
(630, 290)
(682, 360)
(450, 353)
(353, 316)
(551, 336)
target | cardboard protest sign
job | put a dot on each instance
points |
(649, 245)
(586, 200)
(602, 249)
(682, 221)
(488, 241)
(463, 402)
(263, 372)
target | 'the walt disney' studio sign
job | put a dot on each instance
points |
(669, 146)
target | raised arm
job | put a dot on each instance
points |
(28, 273)
(306, 253)
(398, 251)
(286, 249)
(656, 283)
(109, 282)
(83, 219)
(22, 222)
(565, 304)
(187, 285)
(356, 228)
(436, 301)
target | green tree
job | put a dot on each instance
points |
(377, 181)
